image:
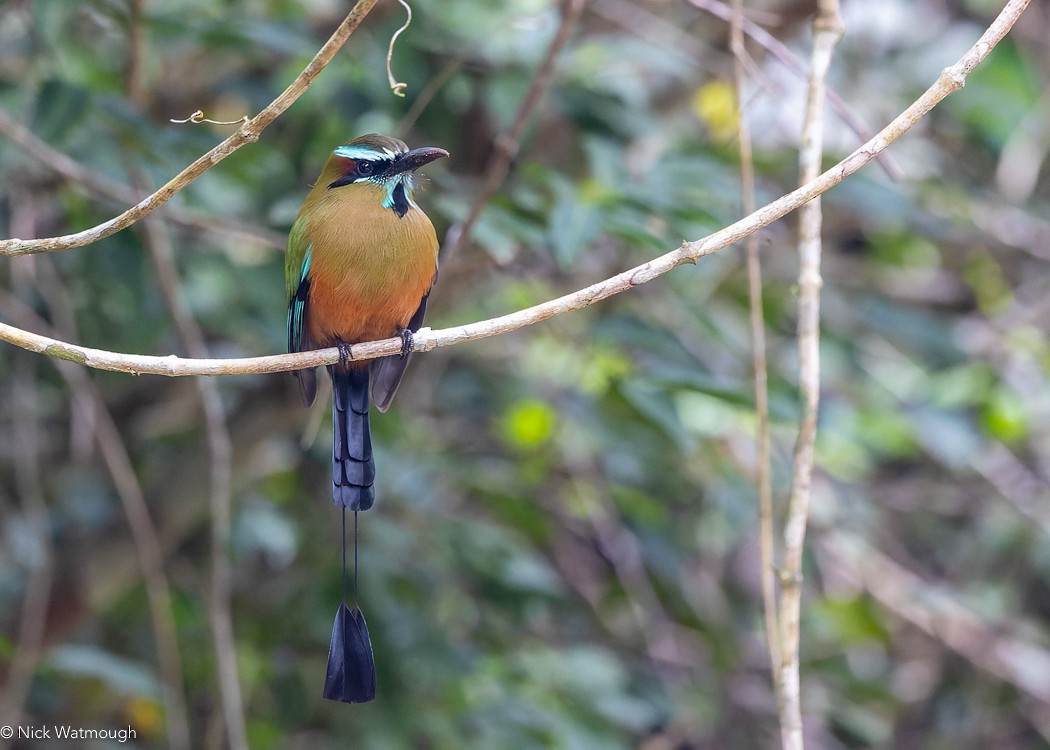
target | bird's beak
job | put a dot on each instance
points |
(416, 158)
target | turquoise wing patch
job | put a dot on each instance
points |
(297, 305)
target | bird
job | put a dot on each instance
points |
(361, 260)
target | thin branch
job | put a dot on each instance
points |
(40, 565)
(427, 95)
(135, 74)
(585, 544)
(507, 145)
(86, 396)
(759, 372)
(791, 61)
(949, 81)
(621, 548)
(100, 186)
(828, 30)
(248, 133)
(26, 450)
(147, 545)
(220, 453)
(990, 647)
(637, 19)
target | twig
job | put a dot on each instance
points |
(1023, 488)
(144, 534)
(99, 186)
(428, 93)
(220, 453)
(636, 18)
(576, 550)
(990, 647)
(248, 133)
(135, 74)
(506, 145)
(396, 86)
(758, 356)
(791, 61)
(198, 117)
(621, 548)
(949, 81)
(827, 27)
(40, 565)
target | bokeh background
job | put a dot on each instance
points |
(564, 550)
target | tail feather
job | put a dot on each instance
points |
(353, 467)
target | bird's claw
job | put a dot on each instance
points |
(407, 341)
(344, 354)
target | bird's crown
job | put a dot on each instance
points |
(372, 147)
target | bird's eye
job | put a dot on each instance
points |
(365, 168)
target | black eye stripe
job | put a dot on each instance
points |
(372, 168)
(363, 170)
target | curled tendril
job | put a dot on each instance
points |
(396, 86)
(198, 117)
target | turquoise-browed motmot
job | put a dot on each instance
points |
(361, 260)
(360, 263)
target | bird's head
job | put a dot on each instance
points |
(384, 162)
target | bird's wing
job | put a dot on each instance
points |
(297, 259)
(388, 371)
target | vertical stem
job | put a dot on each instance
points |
(220, 591)
(758, 355)
(148, 548)
(41, 562)
(160, 596)
(219, 616)
(134, 72)
(827, 28)
(507, 145)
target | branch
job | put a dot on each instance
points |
(827, 30)
(249, 133)
(100, 186)
(791, 61)
(949, 81)
(221, 496)
(759, 372)
(85, 396)
(507, 144)
(996, 648)
(40, 561)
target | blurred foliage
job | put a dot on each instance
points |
(564, 551)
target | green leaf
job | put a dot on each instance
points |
(528, 424)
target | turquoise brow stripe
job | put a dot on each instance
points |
(360, 152)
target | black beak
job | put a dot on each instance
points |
(416, 158)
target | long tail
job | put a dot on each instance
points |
(353, 468)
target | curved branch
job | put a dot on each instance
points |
(950, 80)
(507, 145)
(759, 367)
(790, 60)
(248, 133)
(100, 186)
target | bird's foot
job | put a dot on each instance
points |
(408, 341)
(344, 354)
